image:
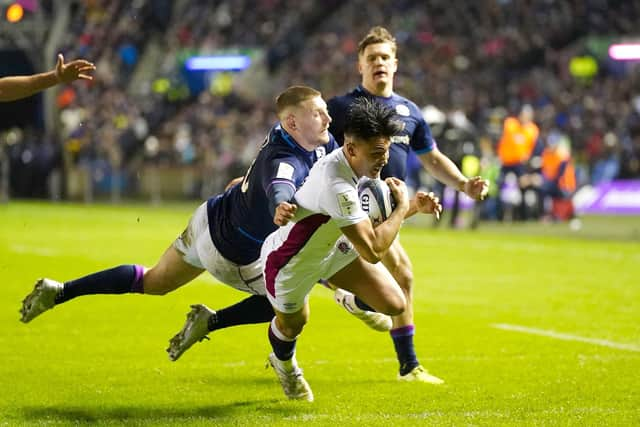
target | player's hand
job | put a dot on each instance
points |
(74, 70)
(284, 213)
(477, 188)
(428, 203)
(399, 192)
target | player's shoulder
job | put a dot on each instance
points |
(346, 99)
(284, 153)
(406, 105)
(336, 166)
(279, 143)
(277, 153)
(337, 105)
(326, 165)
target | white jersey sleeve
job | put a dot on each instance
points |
(340, 201)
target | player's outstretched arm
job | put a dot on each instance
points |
(445, 171)
(18, 87)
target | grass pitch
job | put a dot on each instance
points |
(525, 330)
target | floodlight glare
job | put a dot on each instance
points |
(625, 52)
(14, 13)
(218, 63)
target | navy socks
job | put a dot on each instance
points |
(118, 280)
(403, 342)
(255, 309)
(284, 348)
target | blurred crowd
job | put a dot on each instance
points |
(480, 60)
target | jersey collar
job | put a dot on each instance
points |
(289, 139)
(365, 92)
(343, 160)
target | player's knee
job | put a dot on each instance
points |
(154, 284)
(292, 327)
(394, 306)
(404, 277)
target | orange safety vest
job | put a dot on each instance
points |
(551, 162)
(517, 141)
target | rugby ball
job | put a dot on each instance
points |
(376, 199)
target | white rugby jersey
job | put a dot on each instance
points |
(312, 246)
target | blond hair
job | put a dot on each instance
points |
(377, 35)
(293, 96)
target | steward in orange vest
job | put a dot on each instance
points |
(558, 172)
(519, 140)
(519, 137)
(559, 180)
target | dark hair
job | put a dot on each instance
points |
(377, 35)
(368, 119)
(294, 95)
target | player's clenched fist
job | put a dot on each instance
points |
(284, 213)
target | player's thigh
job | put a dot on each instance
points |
(373, 284)
(246, 278)
(169, 273)
(180, 262)
(399, 265)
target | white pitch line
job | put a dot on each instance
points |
(40, 251)
(566, 337)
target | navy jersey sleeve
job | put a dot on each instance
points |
(337, 107)
(422, 140)
(279, 170)
(278, 193)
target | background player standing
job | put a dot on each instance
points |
(377, 64)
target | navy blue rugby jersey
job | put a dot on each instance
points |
(416, 134)
(240, 219)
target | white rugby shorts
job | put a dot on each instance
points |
(294, 281)
(197, 249)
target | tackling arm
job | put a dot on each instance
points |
(279, 195)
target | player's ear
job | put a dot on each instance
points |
(351, 149)
(290, 120)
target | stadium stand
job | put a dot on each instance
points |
(143, 117)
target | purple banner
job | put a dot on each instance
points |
(614, 198)
(465, 201)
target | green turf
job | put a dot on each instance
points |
(101, 359)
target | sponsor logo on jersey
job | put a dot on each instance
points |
(285, 171)
(347, 202)
(403, 110)
(344, 247)
(321, 152)
(400, 139)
